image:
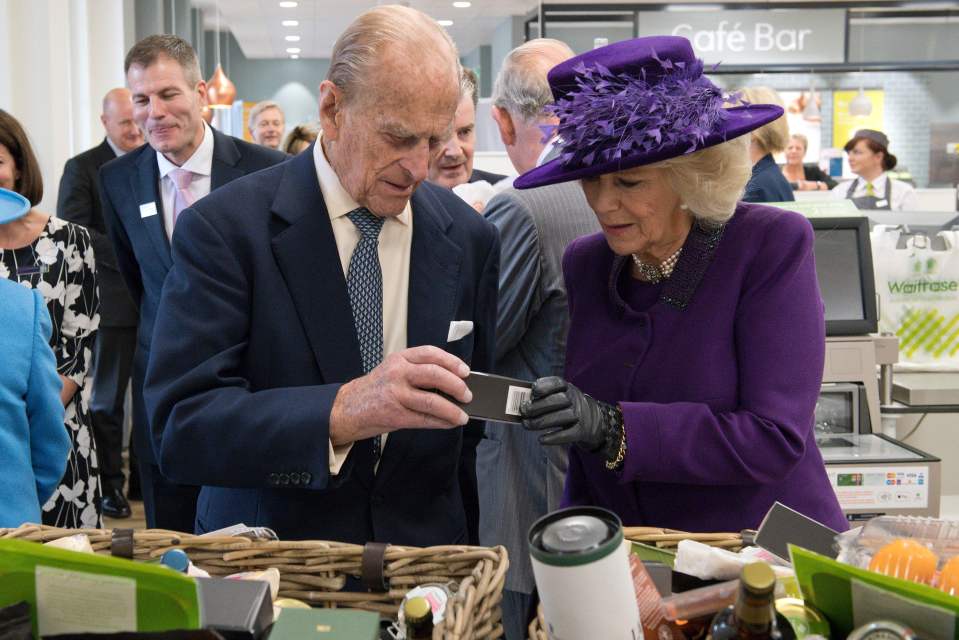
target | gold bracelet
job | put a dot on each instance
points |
(613, 465)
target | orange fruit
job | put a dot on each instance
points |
(906, 559)
(949, 578)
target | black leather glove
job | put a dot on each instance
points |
(566, 415)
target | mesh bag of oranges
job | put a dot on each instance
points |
(922, 550)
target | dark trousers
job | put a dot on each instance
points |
(111, 375)
(166, 505)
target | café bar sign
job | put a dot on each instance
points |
(756, 38)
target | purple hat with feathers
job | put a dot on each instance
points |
(634, 103)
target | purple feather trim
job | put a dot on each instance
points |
(608, 116)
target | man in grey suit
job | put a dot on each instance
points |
(522, 478)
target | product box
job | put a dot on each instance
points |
(328, 624)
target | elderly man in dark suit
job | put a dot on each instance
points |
(522, 477)
(315, 310)
(143, 194)
(79, 201)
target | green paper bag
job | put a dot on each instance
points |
(849, 597)
(82, 592)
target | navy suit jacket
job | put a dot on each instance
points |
(141, 245)
(254, 338)
(768, 184)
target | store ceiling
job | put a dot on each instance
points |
(258, 24)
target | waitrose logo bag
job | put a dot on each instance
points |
(918, 289)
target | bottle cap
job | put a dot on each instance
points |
(416, 609)
(758, 578)
(176, 559)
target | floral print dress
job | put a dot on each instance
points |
(60, 265)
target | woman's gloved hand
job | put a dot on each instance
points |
(566, 415)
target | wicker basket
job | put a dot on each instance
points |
(316, 571)
(667, 539)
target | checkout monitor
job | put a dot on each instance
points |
(846, 277)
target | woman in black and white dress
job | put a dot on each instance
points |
(55, 258)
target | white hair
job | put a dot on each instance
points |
(259, 108)
(710, 181)
(521, 87)
(357, 51)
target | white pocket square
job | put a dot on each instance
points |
(459, 329)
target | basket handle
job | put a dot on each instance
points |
(373, 566)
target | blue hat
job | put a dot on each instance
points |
(13, 206)
(637, 102)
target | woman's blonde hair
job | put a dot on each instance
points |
(774, 136)
(711, 181)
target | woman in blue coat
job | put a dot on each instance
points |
(767, 183)
(33, 443)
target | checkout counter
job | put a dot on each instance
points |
(871, 472)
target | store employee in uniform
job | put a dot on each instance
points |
(869, 159)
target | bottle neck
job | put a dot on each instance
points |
(755, 612)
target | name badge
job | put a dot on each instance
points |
(148, 209)
(32, 270)
(882, 203)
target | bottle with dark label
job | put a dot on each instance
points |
(419, 619)
(753, 616)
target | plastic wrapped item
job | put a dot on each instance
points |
(916, 549)
(270, 576)
(79, 542)
(711, 563)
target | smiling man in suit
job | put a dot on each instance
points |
(143, 194)
(315, 309)
(79, 201)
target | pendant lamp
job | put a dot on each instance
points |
(220, 91)
(811, 110)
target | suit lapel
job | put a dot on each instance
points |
(435, 263)
(146, 186)
(226, 156)
(307, 256)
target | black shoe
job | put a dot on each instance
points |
(114, 505)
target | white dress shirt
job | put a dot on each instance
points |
(117, 151)
(903, 198)
(200, 163)
(395, 242)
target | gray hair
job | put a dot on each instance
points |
(469, 85)
(146, 51)
(357, 50)
(259, 108)
(521, 87)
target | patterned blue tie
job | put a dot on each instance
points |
(364, 281)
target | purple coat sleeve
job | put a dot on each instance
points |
(780, 348)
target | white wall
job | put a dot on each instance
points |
(59, 58)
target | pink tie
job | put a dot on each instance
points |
(182, 198)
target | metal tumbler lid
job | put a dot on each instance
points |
(575, 534)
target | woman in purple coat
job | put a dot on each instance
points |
(696, 340)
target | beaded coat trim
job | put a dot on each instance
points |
(695, 258)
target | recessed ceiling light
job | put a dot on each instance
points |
(294, 57)
(293, 50)
(286, 4)
(291, 23)
(462, 5)
(445, 23)
(292, 38)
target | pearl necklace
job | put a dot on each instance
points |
(655, 273)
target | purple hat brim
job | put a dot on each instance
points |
(741, 121)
